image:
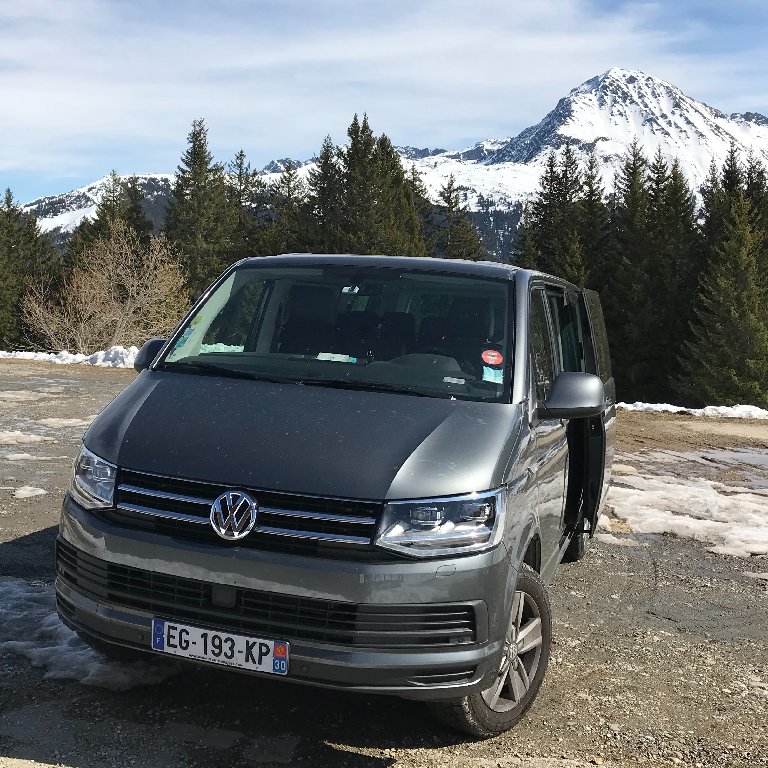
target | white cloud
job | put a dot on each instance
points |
(117, 84)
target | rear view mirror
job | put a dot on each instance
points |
(148, 353)
(574, 396)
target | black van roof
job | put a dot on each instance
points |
(492, 269)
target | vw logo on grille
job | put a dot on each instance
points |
(233, 515)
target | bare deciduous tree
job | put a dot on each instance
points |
(123, 294)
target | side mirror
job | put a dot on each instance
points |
(148, 353)
(574, 396)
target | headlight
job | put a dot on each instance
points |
(438, 527)
(93, 485)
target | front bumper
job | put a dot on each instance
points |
(351, 662)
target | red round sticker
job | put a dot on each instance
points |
(492, 357)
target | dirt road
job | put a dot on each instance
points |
(661, 654)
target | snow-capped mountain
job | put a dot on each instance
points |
(60, 214)
(603, 115)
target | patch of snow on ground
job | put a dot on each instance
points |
(19, 438)
(757, 576)
(28, 491)
(626, 541)
(730, 521)
(55, 423)
(27, 611)
(14, 396)
(30, 457)
(114, 357)
(727, 411)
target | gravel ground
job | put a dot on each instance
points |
(660, 654)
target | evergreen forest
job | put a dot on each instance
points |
(683, 285)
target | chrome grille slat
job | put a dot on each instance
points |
(164, 494)
(313, 536)
(164, 513)
(306, 524)
(321, 516)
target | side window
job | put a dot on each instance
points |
(540, 343)
(567, 342)
(599, 334)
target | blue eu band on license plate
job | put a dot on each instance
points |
(219, 647)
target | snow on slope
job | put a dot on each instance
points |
(62, 213)
(603, 114)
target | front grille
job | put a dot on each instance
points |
(308, 525)
(265, 614)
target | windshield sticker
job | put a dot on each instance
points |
(334, 358)
(492, 357)
(493, 375)
(184, 338)
(451, 380)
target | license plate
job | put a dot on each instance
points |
(220, 647)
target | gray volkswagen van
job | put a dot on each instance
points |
(356, 472)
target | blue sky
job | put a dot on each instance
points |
(91, 85)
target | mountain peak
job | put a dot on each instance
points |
(624, 83)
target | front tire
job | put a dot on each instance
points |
(521, 670)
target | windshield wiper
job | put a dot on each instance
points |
(372, 386)
(211, 369)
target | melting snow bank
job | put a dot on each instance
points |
(727, 411)
(27, 610)
(730, 520)
(114, 357)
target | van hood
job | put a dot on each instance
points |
(305, 439)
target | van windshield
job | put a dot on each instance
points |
(420, 333)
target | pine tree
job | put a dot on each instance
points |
(594, 227)
(291, 231)
(572, 264)
(199, 222)
(425, 210)
(361, 200)
(133, 213)
(627, 302)
(553, 218)
(732, 177)
(727, 360)
(359, 179)
(457, 237)
(542, 221)
(713, 209)
(397, 224)
(756, 190)
(246, 193)
(672, 267)
(27, 256)
(528, 258)
(327, 200)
